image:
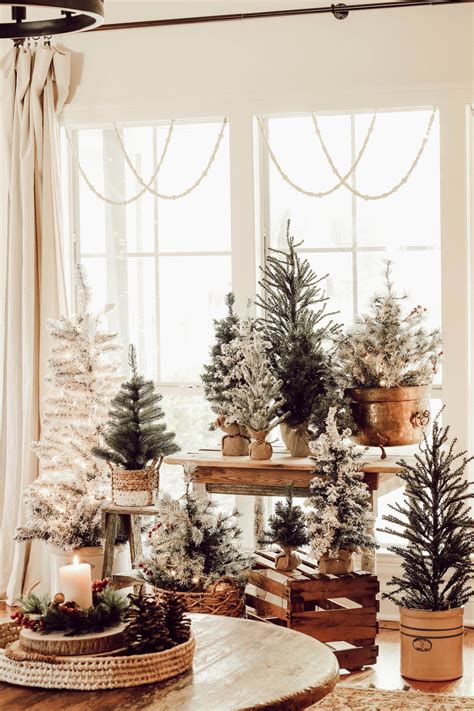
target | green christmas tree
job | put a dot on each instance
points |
(287, 525)
(300, 329)
(435, 523)
(135, 434)
(216, 372)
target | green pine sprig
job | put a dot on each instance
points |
(287, 526)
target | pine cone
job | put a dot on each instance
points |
(146, 630)
(179, 626)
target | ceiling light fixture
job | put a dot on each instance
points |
(61, 17)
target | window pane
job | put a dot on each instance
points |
(410, 216)
(192, 291)
(139, 300)
(140, 218)
(338, 285)
(91, 218)
(324, 222)
(96, 271)
(199, 222)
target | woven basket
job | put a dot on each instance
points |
(224, 597)
(89, 673)
(134, 487)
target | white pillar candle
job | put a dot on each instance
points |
(75, 582)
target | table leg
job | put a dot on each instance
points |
(259, 520)
(110, 525)
(367, 561)
(135, 539)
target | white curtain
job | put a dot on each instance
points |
(35, 87)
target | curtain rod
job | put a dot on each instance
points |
(340, 11)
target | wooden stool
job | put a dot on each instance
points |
(130, 519)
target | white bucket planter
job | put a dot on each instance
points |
(431, 644)
(93, 556)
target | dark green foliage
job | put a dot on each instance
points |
(134, 435)
(215, 372)
(107, 612)
(437, 560)
(287, 525)
(177, 622)
(299, 329)
(155, 625)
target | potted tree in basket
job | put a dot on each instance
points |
(341, 518)
(215, 378)
(196, 551)
(287, 529)
(256, 401)
(300, 331)
(389, 359)
(436, 558)
(63, 505)
(135, 440)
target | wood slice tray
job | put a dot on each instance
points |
(59, 644)
(88, 673)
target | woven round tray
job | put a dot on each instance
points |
(88, 673)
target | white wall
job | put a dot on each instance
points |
(272, 65)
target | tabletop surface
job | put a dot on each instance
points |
(239, 664)
(280, 460)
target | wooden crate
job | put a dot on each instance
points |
(339, 610)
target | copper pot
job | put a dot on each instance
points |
(390, 417)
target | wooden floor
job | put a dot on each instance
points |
(384, 675)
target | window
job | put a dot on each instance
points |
(165, 264)
(347, 237)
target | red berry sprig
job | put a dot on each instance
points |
(24, 621)
(154, 529)
(98, 586)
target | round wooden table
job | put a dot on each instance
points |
(241, 664)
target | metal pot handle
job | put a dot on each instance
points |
(420, 419)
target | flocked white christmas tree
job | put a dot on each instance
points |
(389, 348)
(340, 517)
(256, 401)
(63, 504)
(192, 545)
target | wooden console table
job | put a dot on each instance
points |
(244, 476)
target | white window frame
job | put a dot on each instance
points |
(248, 228)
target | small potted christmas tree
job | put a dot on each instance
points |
(388, 360)
(196, 551)
(256, 401)
(287, 529)
(341, 518)
(135, 440)
(437, 555)
(300, 331)
(215, 378)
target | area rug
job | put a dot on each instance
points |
(357, 699)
